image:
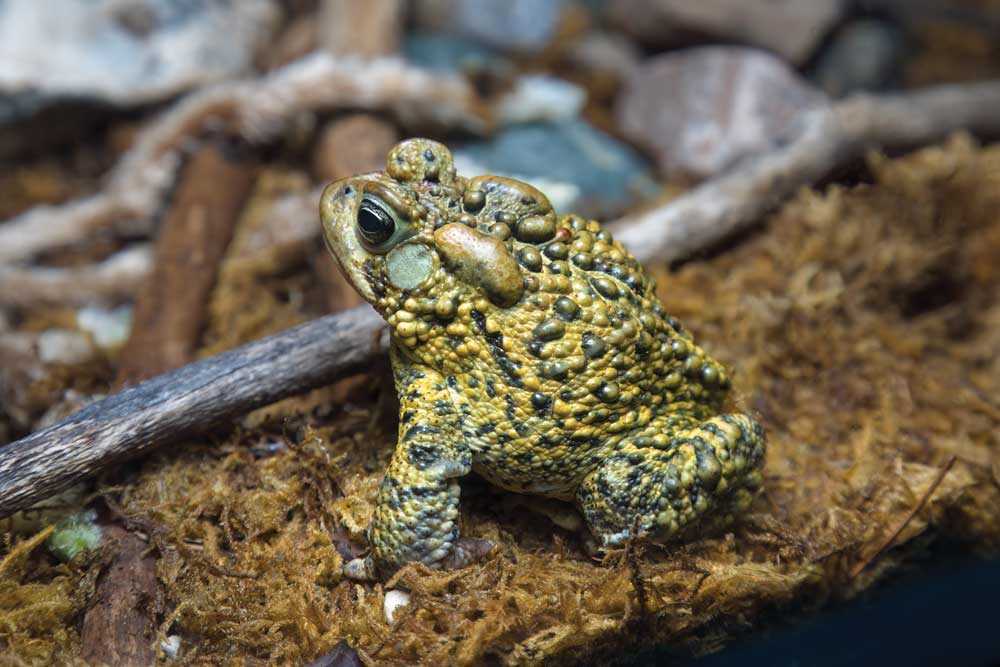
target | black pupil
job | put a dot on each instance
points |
(374, 223)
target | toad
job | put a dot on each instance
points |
(532, 349)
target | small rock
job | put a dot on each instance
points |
(864, 55)
(579, 168)
(64, 346)
(701, 110)
(511, 25)
(537, 97)
(128, 52)
(605, 52)
(366, 29)
(110, 328)
(353, 144)
(171, 646)
(394, 600)
(790, 28)
(450, 53)
(342, 655)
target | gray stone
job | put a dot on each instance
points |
(612, 53)
(701, 110)
(509, 25)
(581, 169)
(790, 28)
(540, 98)
(127, 52)
(451, 53)
(64, 346)
(865, 54)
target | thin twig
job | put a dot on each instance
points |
(188, 400)
(888, 542)
(110, 280)
(170, 310)
(828, 137)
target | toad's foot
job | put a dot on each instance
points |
(467, 551)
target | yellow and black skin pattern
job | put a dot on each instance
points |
(532, 349)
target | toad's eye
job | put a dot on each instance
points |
(376, 223)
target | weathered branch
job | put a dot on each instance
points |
(255, 110)
(829, 136)
(170, 310)
(190, 399)
(110, 280)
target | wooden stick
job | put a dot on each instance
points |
(171, 307)
(828, 137)
(110, 280)
(191, 399)
(119, 626)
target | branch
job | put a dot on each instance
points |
(113, 279)
(829, 137)
(170, 310)
(190, 399)
(257, 110)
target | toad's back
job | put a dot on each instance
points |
(585, 358)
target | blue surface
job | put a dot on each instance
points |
(946, 615)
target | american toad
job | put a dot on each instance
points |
(532, 349)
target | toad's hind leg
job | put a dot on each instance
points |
(706, 472)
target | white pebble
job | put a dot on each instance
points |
(109, 328)
(394, 600)
(63, 346)
(537, 97)
(171, 646)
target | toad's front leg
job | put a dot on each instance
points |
(416, 510)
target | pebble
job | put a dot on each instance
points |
(790, 28)
(394, 599)
(128, 53)
(605, 52)
(701, 110)
(109, 327)
(584, 171)
(538, 97)
(864, 55)
(64, 346)
(171, 646)
(443, 52)
(511, 25)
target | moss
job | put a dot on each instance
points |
(37, 606)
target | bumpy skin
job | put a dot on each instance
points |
(533, 350)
